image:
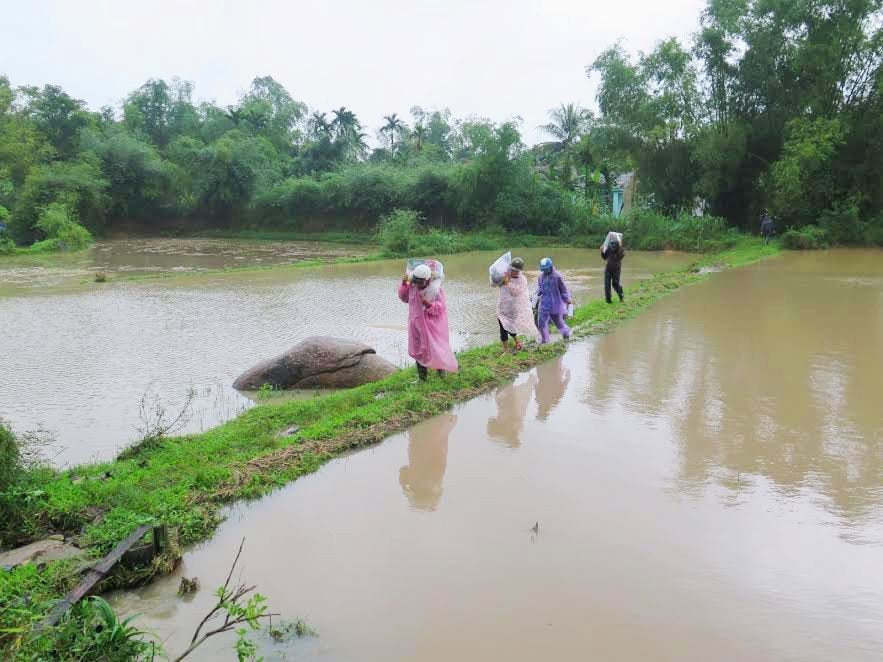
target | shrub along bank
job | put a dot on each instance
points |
(405, 232)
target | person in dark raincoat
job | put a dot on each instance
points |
(767, 226)
(612, 253)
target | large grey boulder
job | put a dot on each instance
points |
(318, 362)
(41, 552)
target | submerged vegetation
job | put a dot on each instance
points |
(184, 481)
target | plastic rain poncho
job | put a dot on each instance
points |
(428, 334)
(553, 293)
(498, 270)
(515, 310)
(608, 239)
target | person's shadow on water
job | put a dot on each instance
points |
(552, 381)
(512, 403)
(422, 478)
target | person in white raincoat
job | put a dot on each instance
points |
(514, 309)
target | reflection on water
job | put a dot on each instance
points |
(774, 373)
(506, 427)
(546, 385)
(696, 501)
(79, 361)
(552, 381)
(421, 479)
(707, 480)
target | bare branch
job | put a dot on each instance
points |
(235, 612)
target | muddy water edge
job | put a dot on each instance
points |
(704, 483)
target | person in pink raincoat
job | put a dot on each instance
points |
(428, 336)
(514, 310)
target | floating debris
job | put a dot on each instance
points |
(188, 585)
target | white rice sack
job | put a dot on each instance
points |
(413, 263)
(500, 268)
(610, 235)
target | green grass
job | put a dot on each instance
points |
(252, 269)
(468, 243)
(745, 251)
(435, 243)
(184, 481)
(45, 247)
(332, 237)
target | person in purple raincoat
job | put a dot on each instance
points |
(554, 298)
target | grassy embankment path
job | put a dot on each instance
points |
(184, 481)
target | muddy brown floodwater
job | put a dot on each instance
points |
(77, 358)
(704, 483)
(118, 258)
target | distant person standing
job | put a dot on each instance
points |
(612, 253)
(767, 226)
(554, 298)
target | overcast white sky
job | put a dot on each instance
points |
(494, 58)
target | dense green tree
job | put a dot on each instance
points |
(654, 102)
(79, 185)
(214, 122)
(393, 127)
(773, 103)
(57, 116)
(269, 110)
(21, 145)
(139, 180)
(320, 155)
(159, 111)
(344, 122)
(777, 104)
(437, 131)
(567, 123)
(233, 170)
(419, 135)
(318, 126)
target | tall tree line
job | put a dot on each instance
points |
(163, 155)
(774, 103)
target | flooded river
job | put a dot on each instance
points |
(77, 357)
(706, 482)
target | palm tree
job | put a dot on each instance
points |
(568, 122)
(355, 145)
(344, 121)
(419, 135)
(585, 156)
(319, 125)
(392, 126)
